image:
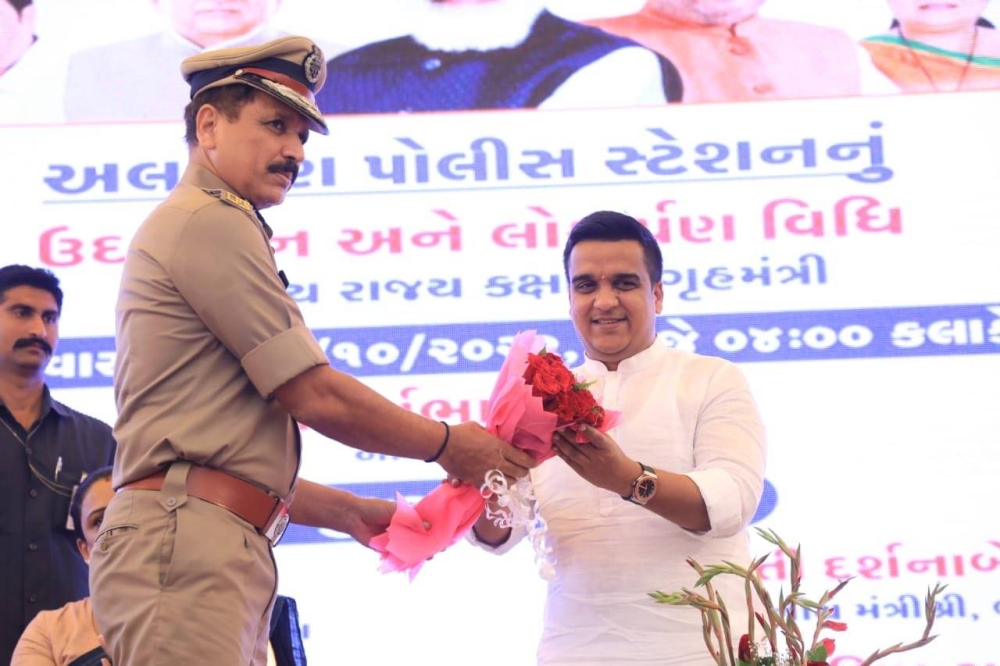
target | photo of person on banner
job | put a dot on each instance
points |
(681, 476)
(938, 47)
(727, 52)
(503, 54)
(136, 80)
(30, 68)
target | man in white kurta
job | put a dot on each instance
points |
(689, 418)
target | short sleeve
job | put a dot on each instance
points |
(35, 648)
(281, 358)
(224, 268)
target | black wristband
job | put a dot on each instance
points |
(447, 436)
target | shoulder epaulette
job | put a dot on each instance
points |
(231, 199)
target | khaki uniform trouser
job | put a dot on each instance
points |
(176, 580)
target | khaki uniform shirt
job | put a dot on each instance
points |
(205, 334)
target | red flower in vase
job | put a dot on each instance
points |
(744, 653)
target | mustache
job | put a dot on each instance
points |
(28, 342)
(287, 166)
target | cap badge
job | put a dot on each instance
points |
(312, 65)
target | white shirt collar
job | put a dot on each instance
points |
(484, 27)
(241, 40)
(646, 358)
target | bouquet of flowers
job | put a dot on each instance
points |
(783, 642)
(535, 394)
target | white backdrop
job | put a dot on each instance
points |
(875, 365)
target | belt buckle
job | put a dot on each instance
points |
(277, 524)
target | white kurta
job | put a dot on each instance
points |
(684, 413)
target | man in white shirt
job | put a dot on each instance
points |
(680, 477)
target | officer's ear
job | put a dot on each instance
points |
(206, 125)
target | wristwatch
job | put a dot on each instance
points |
(644, 486)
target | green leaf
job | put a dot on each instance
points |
(818, 653)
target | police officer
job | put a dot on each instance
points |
(215, 366)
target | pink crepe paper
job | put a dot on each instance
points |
(515, 416)
(407, 543)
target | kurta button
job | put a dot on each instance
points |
(32, 493)
(431, 64)
(171, 501)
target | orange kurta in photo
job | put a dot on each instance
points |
(917, 67)
(754, 59)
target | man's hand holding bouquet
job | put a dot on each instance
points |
(535, 397)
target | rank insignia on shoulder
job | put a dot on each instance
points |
(231, 199)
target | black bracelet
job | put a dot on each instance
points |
(447, 436)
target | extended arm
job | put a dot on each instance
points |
(317, 505)
(342, 408)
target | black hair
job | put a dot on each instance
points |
(76, 506)
(606, 225)
(229, 100)
(17, 275)
(19, 5)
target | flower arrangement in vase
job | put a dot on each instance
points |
(783, 642)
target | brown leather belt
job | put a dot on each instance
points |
(265, 511)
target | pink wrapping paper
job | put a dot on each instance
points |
(407, 544)
(515, 416)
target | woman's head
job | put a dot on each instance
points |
(937, 16)
(87, 508)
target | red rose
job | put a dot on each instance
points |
(561, 405)
(595, 416)
(534, 363)
(586, 408)
(547, 375)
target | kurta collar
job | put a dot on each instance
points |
(642, 361)
(666, 22)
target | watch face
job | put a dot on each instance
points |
(645, 488)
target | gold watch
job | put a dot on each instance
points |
(644, 486)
